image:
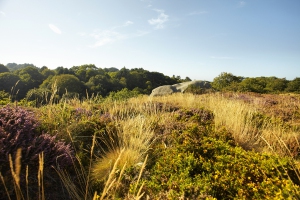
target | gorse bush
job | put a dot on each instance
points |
(200, 163)
(18, 130)
(122, 95)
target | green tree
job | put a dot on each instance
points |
(63, 70)
(122, 73)
(11, 84)
(276, 85)
(46, 72)
(100, 84)
(293, 86)
(14, 66)
(65, 83)
(31, 77)
(253, 85)
(3, 68)
(158, 79)
(85, 72)
(224, 80)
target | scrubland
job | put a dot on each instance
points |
(181, 146)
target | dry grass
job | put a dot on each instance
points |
(15, 168)
(134, 138)
(242, 115)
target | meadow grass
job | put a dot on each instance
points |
(134, 140)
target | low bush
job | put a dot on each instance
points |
(200, 163)
(18, 130)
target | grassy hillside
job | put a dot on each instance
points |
(182, 146)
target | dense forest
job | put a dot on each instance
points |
(19, 81)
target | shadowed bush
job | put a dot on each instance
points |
(18, 130)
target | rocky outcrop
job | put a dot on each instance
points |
(180, 87)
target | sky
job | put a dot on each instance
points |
(198, 39)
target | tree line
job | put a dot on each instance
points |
(229, 82)
(21, 81)
(31, 82)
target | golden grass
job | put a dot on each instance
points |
(134, 139)
(111, 178)
(41, 192)
(241, 120)
(5, 187)
(15, 169)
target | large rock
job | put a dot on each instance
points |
(180, 87)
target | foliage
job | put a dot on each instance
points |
(8, 81)
(92, 80)
(3, 68)
(65, 83)
(18, 130)
(63, 70)
(294, 86)
(41, 96)
(85, 126)
(224, 80)
(276, 85)
(100, 84)
(14, 66)
(30, 76)
(191, 153)
(85, 72)
(11, 84)
(229, 82)
(253, 85)
(200, 163)
(47, 72)
(4, 98)
(122, 95)
(197, 90)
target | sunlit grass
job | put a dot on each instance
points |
(245, 121)
(133, 137)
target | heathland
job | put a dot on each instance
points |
(228, 142)
(181, 146)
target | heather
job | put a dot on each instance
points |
(180, 146)
(19, 131)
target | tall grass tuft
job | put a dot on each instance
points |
(133, 139)
(15, 171)
(41, 192)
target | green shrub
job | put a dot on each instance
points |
(122, 95)
(200, 163)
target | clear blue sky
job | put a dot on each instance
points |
(194, 38)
